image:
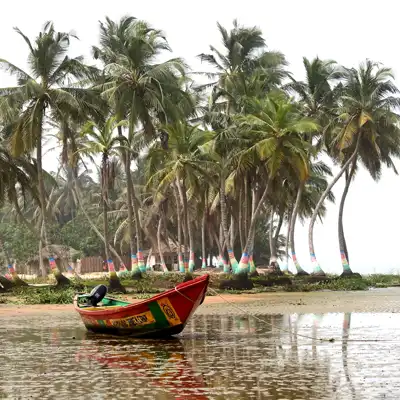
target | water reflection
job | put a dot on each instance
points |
(216, 357)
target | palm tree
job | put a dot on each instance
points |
(308, 193)
(139, 89)
(317, 98)
(366, 129)
(275, 131)
(100, 139)
(182, 165)
(16, 176)
(42, 94)
(243, 68)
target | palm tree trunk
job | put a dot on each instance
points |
(299, 269)
(272, 248)
(232, 232)
(93, 225)
(240, 217)
(317, 268)
(285, 268)
(203, 238)
(160, 252)
(115, 284)
(7, 284)
(126, 157)
(246, 206)
(342, 241)
(60, 278)
(181, 264)
(224, 223)
(278, 230)
(43, 270)
(185, 227)
(250, 237)
(148, 260)
(342, 230)
(191, 264)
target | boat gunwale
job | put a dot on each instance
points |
(118, 309)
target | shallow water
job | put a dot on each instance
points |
(217, 357)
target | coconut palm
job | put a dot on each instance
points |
(243, 68)
(43, 93)
(275, 131)
(366, 130)
(182, 165)
(139, 88)
(100, 139)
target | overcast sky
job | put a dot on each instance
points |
(347, 31)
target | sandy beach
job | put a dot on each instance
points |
(377, 300)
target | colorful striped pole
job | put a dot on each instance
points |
(203, 263)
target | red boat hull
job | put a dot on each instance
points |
(163, 315)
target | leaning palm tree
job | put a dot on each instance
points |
(16, 177)
(367, 129)
(41, 94)
(100, 139)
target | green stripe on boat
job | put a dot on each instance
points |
(161, 320)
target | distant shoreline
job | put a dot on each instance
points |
(373, 301)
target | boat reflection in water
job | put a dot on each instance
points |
(161, 364)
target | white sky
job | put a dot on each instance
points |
(346, 31)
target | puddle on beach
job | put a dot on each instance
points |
(216, 357)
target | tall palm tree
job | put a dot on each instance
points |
(366, 129)
(100, 139)
(43, 93)
(183, 165)
(275, 130)
(243, 67)
(139, 88)
(318, 99)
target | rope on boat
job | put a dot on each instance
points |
(187, 298)
(331, 340)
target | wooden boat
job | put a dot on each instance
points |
(165, 314)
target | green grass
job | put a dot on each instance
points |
(156, 283)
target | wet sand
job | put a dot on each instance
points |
(377, 300)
